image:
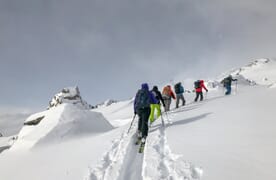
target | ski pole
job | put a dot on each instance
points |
(131, 123)
(163, 124)
(236, 87)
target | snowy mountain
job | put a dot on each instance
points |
(222, 137)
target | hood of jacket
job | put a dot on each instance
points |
(145, 86)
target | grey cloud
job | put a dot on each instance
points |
(109, 47)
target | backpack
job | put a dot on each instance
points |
(142, 99)
(156, 96)
(177, 88)
(166, 91)
(181, 89)
(154, 93)
(197, 84)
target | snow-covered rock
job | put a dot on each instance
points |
(68, 117)
(6, 142)
(69, 95)
(60, 123)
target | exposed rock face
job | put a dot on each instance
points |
(34, 121)
(69, 95)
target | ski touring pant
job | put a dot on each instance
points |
(199, 94)
(143, 114)
(167, 101)
(178, 97)
(228, 89)
(152, 111)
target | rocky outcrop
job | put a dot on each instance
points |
(33, 122)
(69, 95)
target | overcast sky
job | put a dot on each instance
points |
(109, 47)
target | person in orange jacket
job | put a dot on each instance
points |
(199, 84)
(167, 95)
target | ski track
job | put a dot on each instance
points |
(164, 165)
(123, 162)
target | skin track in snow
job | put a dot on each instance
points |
(157, 162)
(122, 162)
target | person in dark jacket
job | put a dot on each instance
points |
(143, 99)
(227, 83)
(199, 84)
(179, 90)
(157, 106)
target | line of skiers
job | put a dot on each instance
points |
(148, 101)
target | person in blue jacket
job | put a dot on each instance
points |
(179, 90)
(143, 99)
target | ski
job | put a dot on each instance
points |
(138, 141)
(142, 146)
(139, 137)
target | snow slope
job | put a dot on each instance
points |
(230, 137)
(118, 113)
(222, 137)
(64, 160)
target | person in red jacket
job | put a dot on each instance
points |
(199, 84)
(167, 95)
